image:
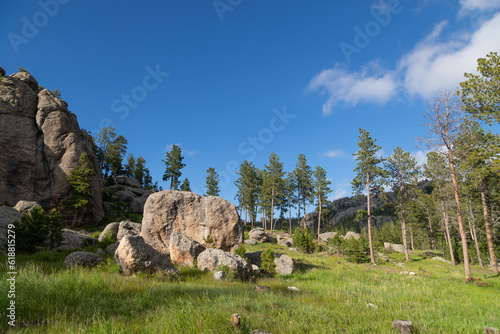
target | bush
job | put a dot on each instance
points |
(338, 243)
(241, 250)
(268, 265)
(303, 240)
(39, 230)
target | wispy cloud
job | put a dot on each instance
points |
(342, 189)
(482, 5)
(370, 84)
(438, 61)
(334, 153)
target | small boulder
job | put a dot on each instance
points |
(284, 264)
(250, 242)
(110, 230)
(219, 275)
(403, 326)
(211, 259)
(254, 258)
(439, 258)
(112, 248)
(258, 234)
(394, 247)
(327, 235)
(134, 255)
(25, 207)
(286, 242)
(255, 269)
(75, 240)
(351, 234)
(82, 259)
(183, 249)
(490, 330)
(292, 288)
(262, 288)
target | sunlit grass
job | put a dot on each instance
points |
(333, 298)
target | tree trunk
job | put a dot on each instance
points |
(73, 223)
(468, 274)
(319, 217)
(447, 230)
(403, 224)
(290, 220)
(272, 207)
(432, 242)
(473, 234)
(493, 259)
(246, 215)
(477, 247)
(372, 255)
(411, 239)
(298, 208)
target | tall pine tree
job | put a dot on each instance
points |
(173, 166)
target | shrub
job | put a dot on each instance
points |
(39, 230)
(303, 240)
(338, 243)
(268, 265)
(241, 250)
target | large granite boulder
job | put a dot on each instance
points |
(193, 215)
(212, 259)
(117, 230)
(25, 207)
(41, 142)
(254, 258)
(134, 255)
(8, 216)
(258, 234)
(183, 249)
(394, 247)
(285, 241)
(351, 234)
(284, 264)
(82, 259)
(327, 235)
(110, 231)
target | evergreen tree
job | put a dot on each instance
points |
(185, 186)
(148, 180)
(130, 165)
(403, 174)
(173, 166)
(264, 197)
(481, 92)
(303, 180)
(139, 170)
(275, 175)
(80, 180)
(370, 175)
(111, 150)
(290, 194)
(212, 182)
(248, 189)
(321, 191)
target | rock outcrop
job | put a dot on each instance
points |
(327, 235)
(75, 240)
(41, 142)
(284, 264)
(193, 215)
(394, 247)
(134, 255)
(117, 230)
(183, 249)
(212, 259)
(8, 216)
(25, 207)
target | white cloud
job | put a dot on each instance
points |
(436, 62)
(370, 84)
(468, 5)
(334, 154)
(421, 157)
(433, 65)
(342, 189)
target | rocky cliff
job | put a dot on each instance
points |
(40, 142)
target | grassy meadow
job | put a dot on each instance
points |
(333, 298)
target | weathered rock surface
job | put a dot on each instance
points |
(127, 181)
(403, 326)
(8, 216)
(394, 247)
(285, 241)
(125, 195)
(193, 215)
(250, 242)
(254, 258)
(284, 264)
(112, 248)
(41, 142)
(219, 275)
(134, 255)
(128, 228)
(75, 240)
(212, 259)
(137, 204)
(25, 207)
(351, 234)
(258, 234)
(82, 259)
(327, 235)
(183, 249)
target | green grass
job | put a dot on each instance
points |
(333, 298)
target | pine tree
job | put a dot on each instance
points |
(481, 92)
(139, 170)
(321, 191)
(370, 175)
(212, 182)
(290, 188)
(248, 189)
(185, 186)
(303, 179)
(80, 180)
(403, 174)
(111, 150)
(173, 166)
(130, 165)
(275, 175)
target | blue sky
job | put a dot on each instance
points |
(229, 80)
